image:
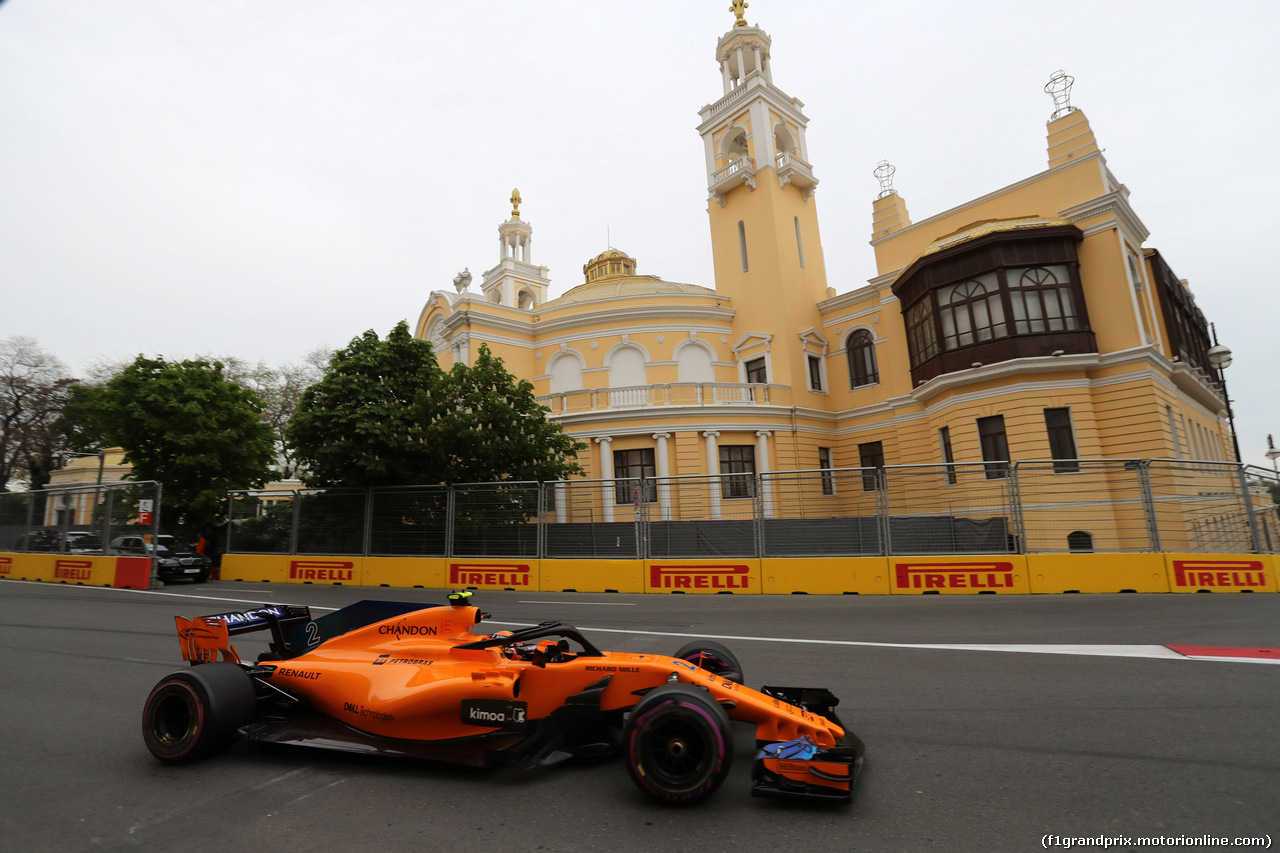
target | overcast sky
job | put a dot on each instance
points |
(258, 178)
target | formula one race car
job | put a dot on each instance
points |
(405, 679)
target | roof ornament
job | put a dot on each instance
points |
(515, 204)
(462, 280)
(884, 174)
(1059, 88)
(739, 9)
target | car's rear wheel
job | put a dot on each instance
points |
(197, 712)
(713, 657)
(678, 744)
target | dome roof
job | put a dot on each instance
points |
(631, 285)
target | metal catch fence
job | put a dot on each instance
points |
(1052, 506)
(97, 519)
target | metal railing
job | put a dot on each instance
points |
(1033, 507)
(83, 519)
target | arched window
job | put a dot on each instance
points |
(971, 312)
(1080, 540)
(1041, 299)
(694, 363)
(566, 373)
(920, 332)
(525, 300)
(860, 348)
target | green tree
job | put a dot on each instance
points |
(361, 425)
(188, 426)
(497, 430)
(385, 414)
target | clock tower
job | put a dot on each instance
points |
(766, 247)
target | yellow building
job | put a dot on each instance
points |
(1029, 324)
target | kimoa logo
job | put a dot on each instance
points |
(700, 576)
(1219, 573)
(489, 574)
(494, 713)
(321, 570)
(993, 574)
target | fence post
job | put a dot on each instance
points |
(31, 514)
(1013, 500)
(295, 514)
(449, 508)
(1143, 467)
(231, 517)
(882, 515)
(540, 531)
(368, 522)
(1254, 538)
(758, 512)
(108, 502)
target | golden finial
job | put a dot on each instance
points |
(515, 204)
(739, 8)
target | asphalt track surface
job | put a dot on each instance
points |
(969, 750)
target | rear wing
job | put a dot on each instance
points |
(204, 638)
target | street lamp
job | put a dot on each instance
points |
(1273, 454)
(1219, 360)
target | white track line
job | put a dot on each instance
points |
(1149, 651)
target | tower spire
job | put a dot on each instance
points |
(739, 9)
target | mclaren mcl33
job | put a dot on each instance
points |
(405, 679)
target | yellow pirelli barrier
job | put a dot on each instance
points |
(428, 572)
(1097, 573)
(825, 575)
(60, 568)
(1002, 573)
(276, 568)
(1221, 572)
(592, 576)
(509, 573)
(703, 576)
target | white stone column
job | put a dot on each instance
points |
(606, 474)
(759, 67)
(762, 468)
(713, 469)
(724, 74)
(663, 469)
(768, 69)
(742, 67)
(562, 508)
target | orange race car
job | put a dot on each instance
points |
(398, 678)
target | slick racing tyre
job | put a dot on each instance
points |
(197, 712)
(678, 744)
(712, 657)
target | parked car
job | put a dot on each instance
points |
(71, 542)
(174, 560)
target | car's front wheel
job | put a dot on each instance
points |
(678, 744)
(713, 657)
(197, 712)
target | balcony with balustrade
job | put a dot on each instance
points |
(670, 395)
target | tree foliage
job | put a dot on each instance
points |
(33, 388)
(385, 414)
(188, 426)
(280, 389)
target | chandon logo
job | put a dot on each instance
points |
(401, 630)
